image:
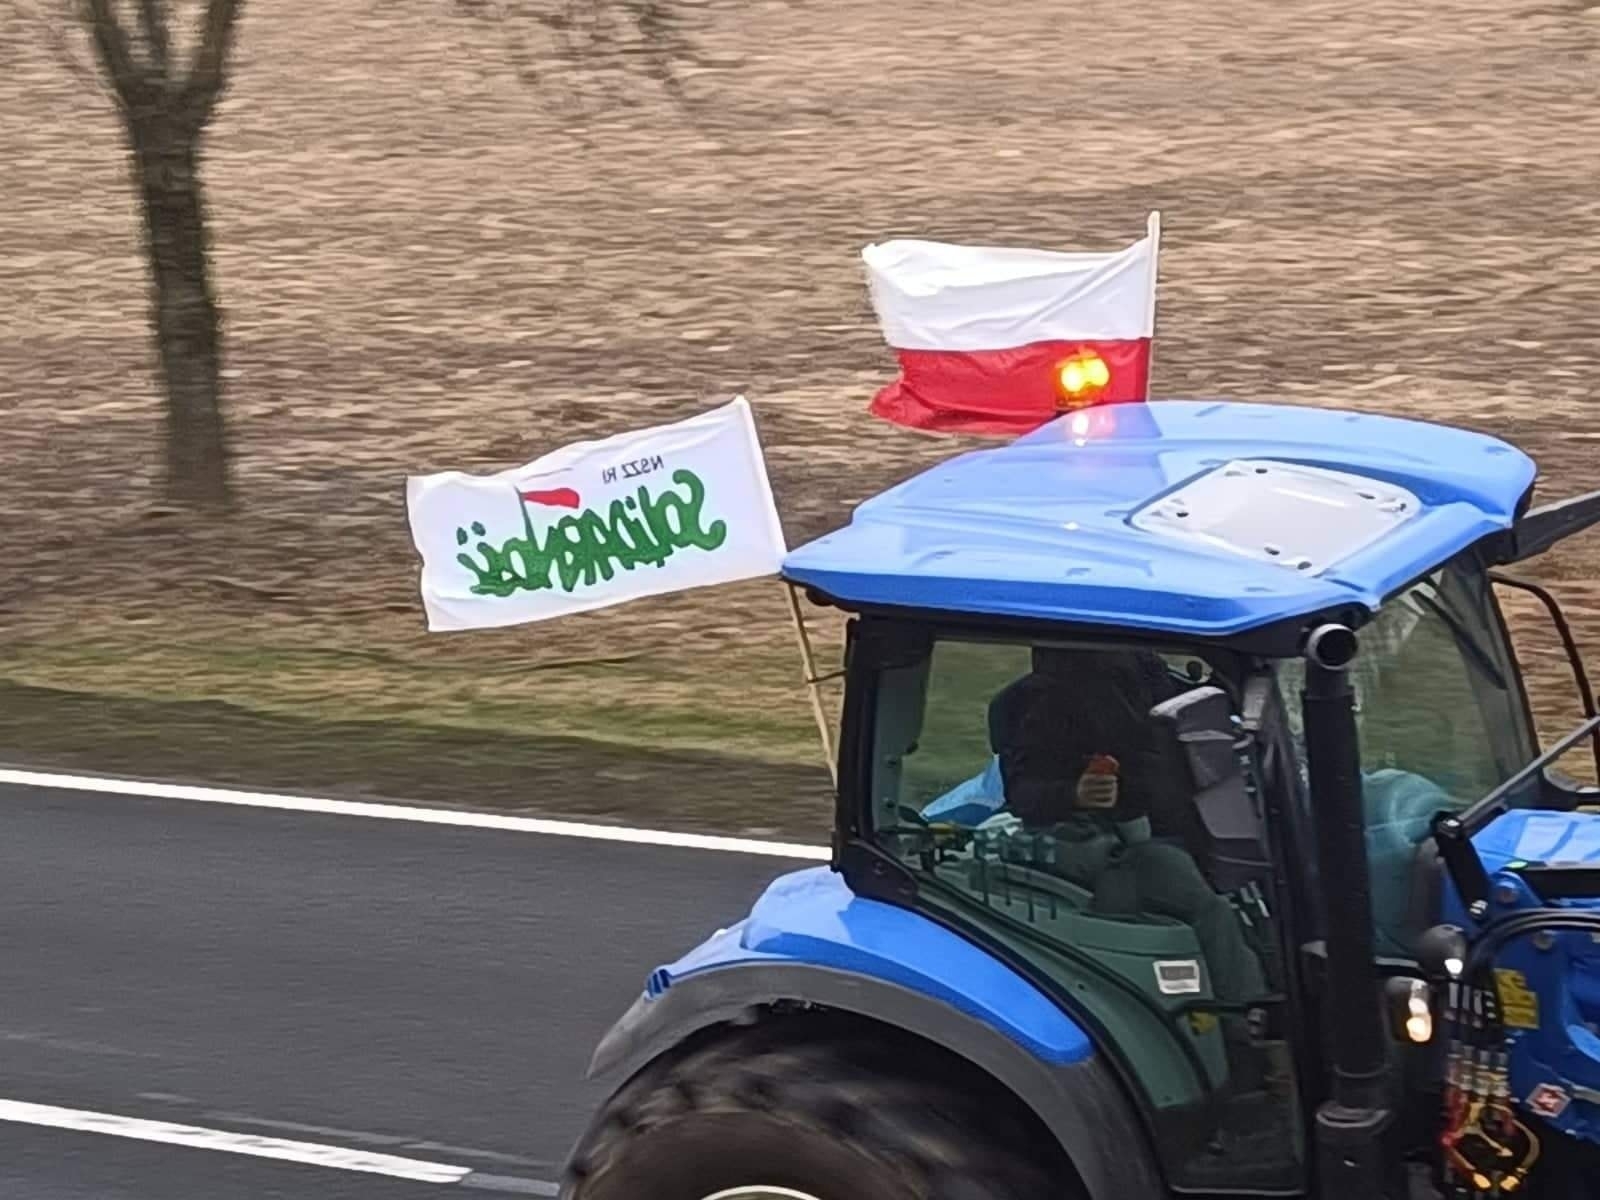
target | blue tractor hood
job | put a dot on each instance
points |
(1044, 528)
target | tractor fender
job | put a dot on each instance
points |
(809, 940)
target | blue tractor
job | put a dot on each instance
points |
(1193, 837)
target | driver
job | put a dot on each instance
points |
(1078, 757)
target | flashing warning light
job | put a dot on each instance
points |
(1419, 1027)
(1412, 1009)
(1081, 379)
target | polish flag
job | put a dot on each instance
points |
(999, 341)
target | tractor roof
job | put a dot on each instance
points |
(1206, 519)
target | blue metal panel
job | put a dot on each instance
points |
(1553, 1048)
(1530, 835)
(1040, 528)
(812, 917)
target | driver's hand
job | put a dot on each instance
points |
(1097, 790)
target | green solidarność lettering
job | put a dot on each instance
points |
(586, 548)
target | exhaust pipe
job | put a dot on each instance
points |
(1351, 1124)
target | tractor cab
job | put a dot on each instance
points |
(1184, 753)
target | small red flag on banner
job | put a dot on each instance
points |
(996, 340)
(554, 497)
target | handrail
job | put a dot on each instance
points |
(1479, 814)
(1453, 831)
(1568, 642)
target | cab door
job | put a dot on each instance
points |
(1035, 793)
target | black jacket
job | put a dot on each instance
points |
(1047, 725)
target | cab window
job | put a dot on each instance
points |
(1435, 692)
(1441, 725)
(1034, 796)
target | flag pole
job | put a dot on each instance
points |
(1153, 232)
(808, 663)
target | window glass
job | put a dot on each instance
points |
(1434, 692)
(1032, 790)
(1440, 725)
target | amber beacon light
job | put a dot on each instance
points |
(1081, 379)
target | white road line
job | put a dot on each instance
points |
(407, 812)
(312, 1153)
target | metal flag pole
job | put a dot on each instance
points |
(1153, 232)
(808, 662)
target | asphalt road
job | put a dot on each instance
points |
(408, 990)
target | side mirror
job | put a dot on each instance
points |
(1201, 727)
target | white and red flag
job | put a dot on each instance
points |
(1000, 340)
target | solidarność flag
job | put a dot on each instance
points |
(996, 340)
(597, 523)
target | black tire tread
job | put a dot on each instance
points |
(947, 1139)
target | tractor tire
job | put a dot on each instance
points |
(760, 1113)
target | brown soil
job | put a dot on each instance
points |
(429, 263)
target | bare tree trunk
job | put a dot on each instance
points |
(165, 110)
(184, 313)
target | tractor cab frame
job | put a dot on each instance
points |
(1141, 981)
(1225, 973)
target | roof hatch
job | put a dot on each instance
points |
(1302, 518)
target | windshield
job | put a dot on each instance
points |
(1435, 691)
(1441, 724)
